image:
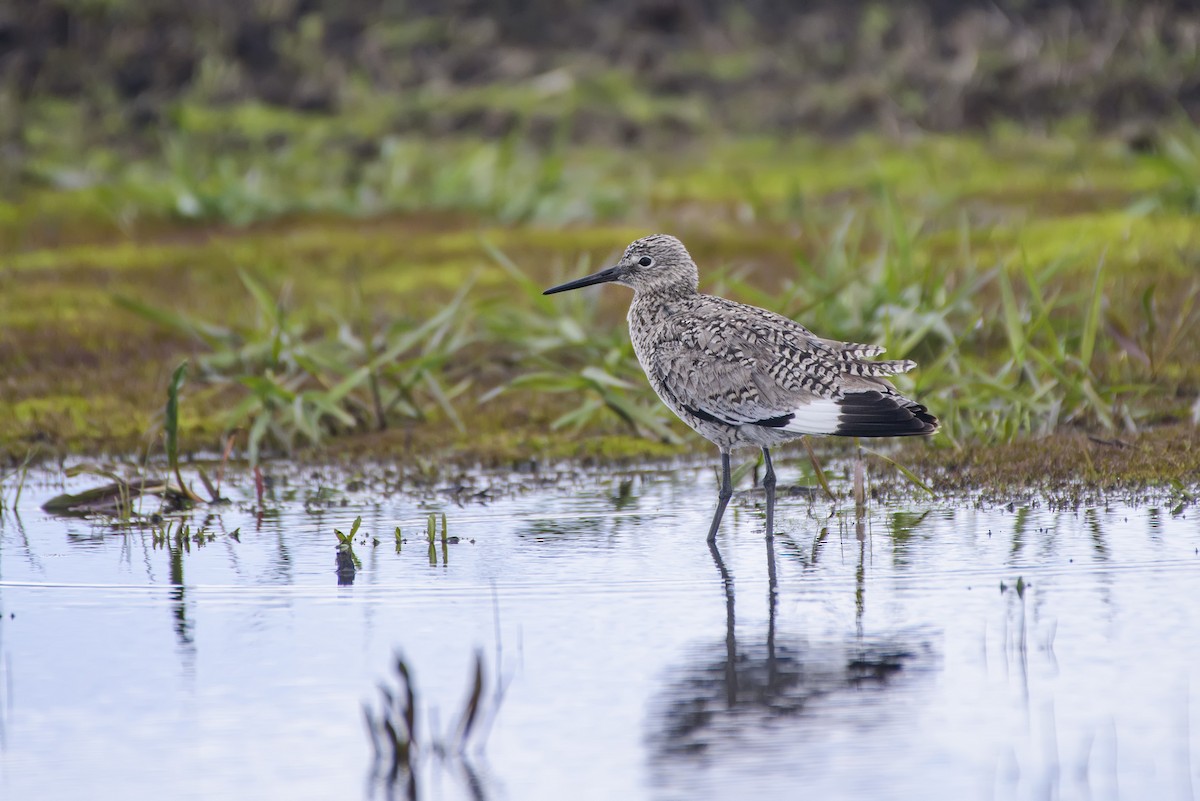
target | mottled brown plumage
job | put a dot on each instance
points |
(740, 375)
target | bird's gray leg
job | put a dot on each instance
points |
(768, 483)
(723, 497)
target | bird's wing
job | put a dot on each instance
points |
(741, 365)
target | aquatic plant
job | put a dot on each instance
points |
(398, 743)
(348, 562)
(116, 499)
(180, 536)
(346, 541)
(171, 433)
(21, 473)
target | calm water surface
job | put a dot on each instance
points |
(947, 651)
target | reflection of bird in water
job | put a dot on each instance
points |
(742, 688)
(744, 376)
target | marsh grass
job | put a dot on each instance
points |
(251, 164)
(1177, 156)
(1043, 285)
(171, 436)
(1004, 350)
(304, 376)
(1006, 347)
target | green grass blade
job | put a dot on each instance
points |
(211, 335)
(171, 418)
(816, 464)
(1091, 323)
(910, 475)
(268, 306)
(1012, 317)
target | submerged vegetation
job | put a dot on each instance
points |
(13, 482)
(400, 741)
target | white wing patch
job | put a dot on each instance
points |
(819, 416)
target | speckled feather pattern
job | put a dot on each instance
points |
(741, 375)
(735, 373)
(742, 364)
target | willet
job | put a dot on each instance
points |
(744, 376)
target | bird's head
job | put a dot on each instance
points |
(657, 264)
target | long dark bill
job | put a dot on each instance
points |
(602, 277)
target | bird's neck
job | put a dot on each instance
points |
(651, 307)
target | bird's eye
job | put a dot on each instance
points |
(645, 261)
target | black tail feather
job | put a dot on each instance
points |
(874, 414)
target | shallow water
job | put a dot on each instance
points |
(942, 651)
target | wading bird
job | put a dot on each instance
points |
(744, 376)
